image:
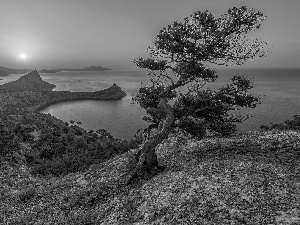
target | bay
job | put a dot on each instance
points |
(279, 89)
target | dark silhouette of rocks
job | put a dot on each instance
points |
(95, 68)
(30, 82)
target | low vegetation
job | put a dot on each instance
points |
(244, 179)
(293, 124)
(51, 147)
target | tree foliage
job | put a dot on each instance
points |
(8, 143)
(293, 124)
(179, 60)
(178, 68)
(49, 146)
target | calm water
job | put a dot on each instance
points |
(279, 88)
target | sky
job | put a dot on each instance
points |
(111, 33)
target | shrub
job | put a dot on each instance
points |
(293, 124)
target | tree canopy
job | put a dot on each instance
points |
(179, 68)
(180, 57)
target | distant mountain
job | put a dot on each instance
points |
(14, 71)
(23, 71)
(30, 82)
(95, 68)
(90, 68)
(47, 71)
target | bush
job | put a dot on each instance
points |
(293, 124)
(8, 143)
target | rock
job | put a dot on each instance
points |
(114, 92)
(29, 82)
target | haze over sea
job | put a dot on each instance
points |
(279, 89)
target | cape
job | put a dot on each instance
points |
(30, 82)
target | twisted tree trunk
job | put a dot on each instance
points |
(147, 156)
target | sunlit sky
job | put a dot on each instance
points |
(111, 33)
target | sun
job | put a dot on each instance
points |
(23, 56)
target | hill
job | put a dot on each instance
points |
(246, 179)
(29, 82)
(95, 68)
(90, 68)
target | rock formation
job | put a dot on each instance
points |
(113, 92)
(30, 82)
(95, 68)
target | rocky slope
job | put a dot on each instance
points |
(245, 179)
(30, 82)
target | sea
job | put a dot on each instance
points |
(279, 90)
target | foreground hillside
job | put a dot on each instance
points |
(246, 179)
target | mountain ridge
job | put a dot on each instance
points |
(21, 71)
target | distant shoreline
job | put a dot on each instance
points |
(112, 93)
(9, 71)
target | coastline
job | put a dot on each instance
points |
(74, 100)
(28, 101)
(112, 93)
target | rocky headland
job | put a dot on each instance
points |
(30, 93)
(112, 93)
(29, 82)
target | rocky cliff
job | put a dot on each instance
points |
(30, 82)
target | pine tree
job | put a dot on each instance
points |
(179, 69)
